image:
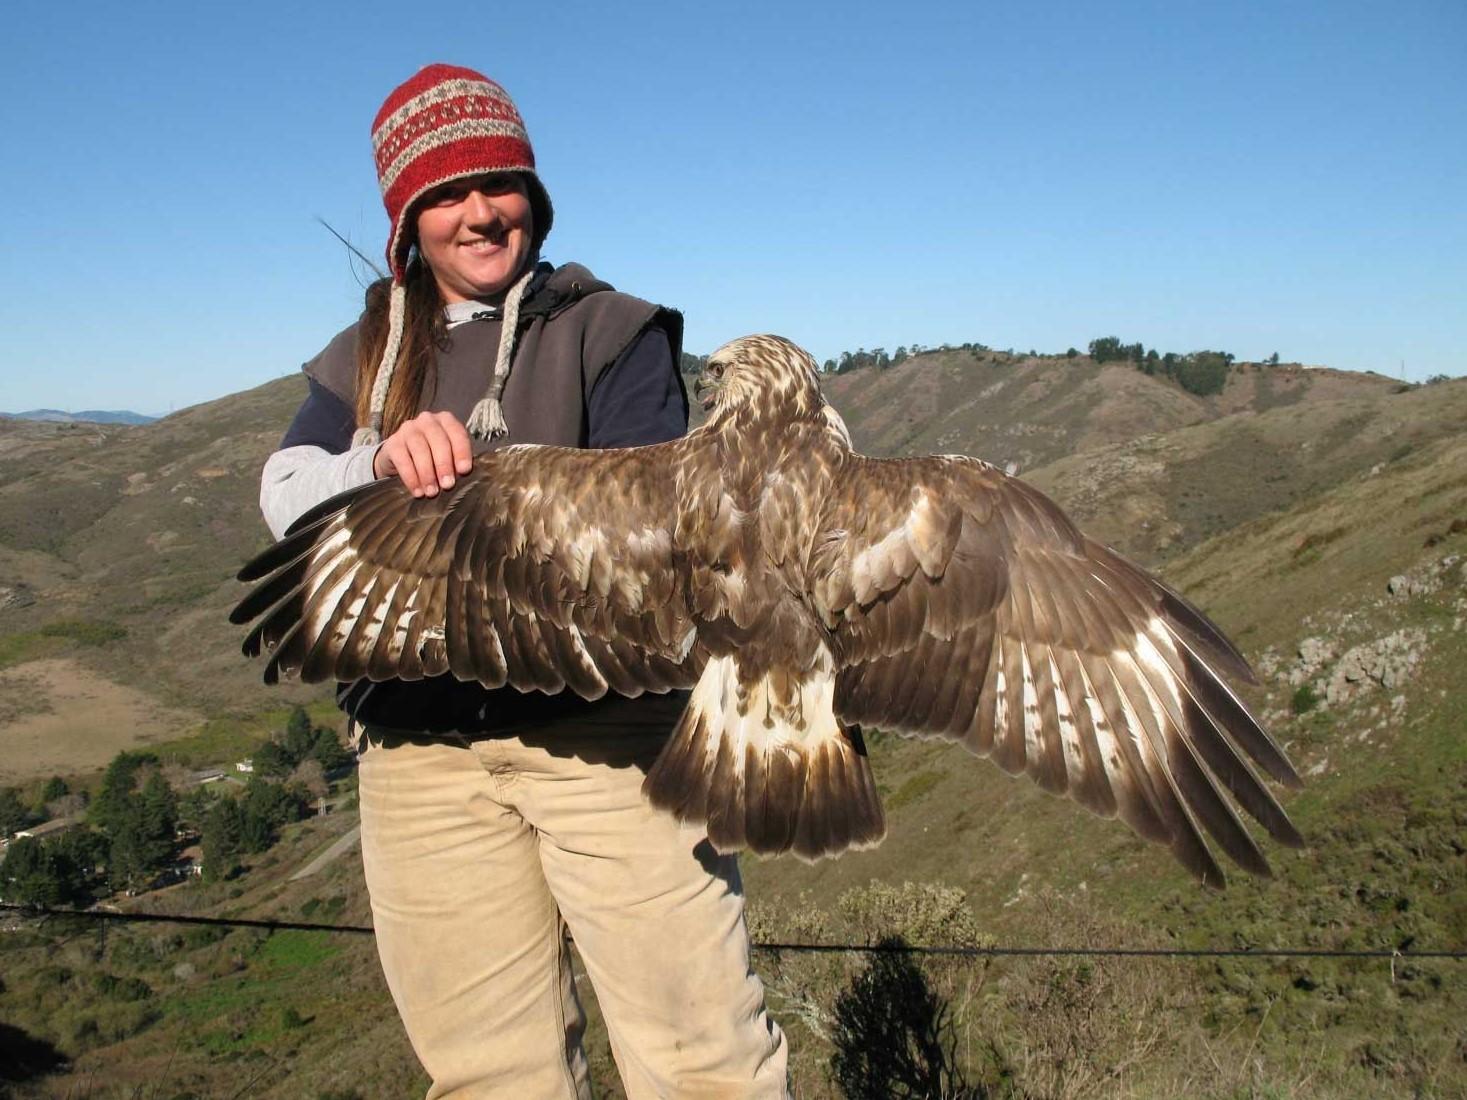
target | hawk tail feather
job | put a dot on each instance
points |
(762, 781)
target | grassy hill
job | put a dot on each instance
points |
(1302, 508)
(140, 530)
(1030, 411)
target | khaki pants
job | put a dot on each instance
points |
(479, 854)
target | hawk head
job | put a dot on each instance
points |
(763, 373)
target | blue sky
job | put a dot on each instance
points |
(1255, 177)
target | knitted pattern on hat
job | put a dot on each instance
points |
(442, 124)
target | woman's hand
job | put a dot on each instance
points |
(426, 452)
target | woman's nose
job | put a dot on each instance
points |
(477, 208)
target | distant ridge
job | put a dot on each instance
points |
(92, 416)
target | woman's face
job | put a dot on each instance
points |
(475, 234)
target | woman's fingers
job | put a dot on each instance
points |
(426, 453)
(462, 445)
(418, 457)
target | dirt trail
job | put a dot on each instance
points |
(342, 844)
(63, 719)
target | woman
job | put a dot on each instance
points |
(492, 821)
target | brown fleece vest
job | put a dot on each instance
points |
(571, 330)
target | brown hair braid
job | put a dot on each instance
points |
(424, 332)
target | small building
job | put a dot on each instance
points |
(208, 775)
(245, 766)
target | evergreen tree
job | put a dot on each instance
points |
(272, 759)
(193, 807)
(329, 751)
(127, 853)
(298, 736)
(13, 813)
(112, 804)
(159, 819)
(37, 872)
(55, 788)
(222, 839)
(266, 807)
(85, 850)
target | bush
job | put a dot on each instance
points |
(1305, 699)
(121, 989)
(922, 913)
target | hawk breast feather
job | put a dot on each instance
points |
(804, 591)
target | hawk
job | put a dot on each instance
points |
(802, 591)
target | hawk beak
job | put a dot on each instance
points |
(705, 391)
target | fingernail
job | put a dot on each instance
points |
(446, 481)
(417, 492)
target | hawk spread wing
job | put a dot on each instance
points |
(965, 605)
(546, 568)
(802, 590)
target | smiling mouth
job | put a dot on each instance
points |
(494, 237)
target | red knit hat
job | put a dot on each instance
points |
(444, 123)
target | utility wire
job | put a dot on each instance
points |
(814, 948)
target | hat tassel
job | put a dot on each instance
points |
(486, 421)
(371, 434)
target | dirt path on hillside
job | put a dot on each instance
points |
(64, 719)
(343, 843)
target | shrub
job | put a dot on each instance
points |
(1305, 699)
(922, 913)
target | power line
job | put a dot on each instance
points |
(178, 918)
(950, 950)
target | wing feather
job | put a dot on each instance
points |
(963, 604)
(541, 565)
